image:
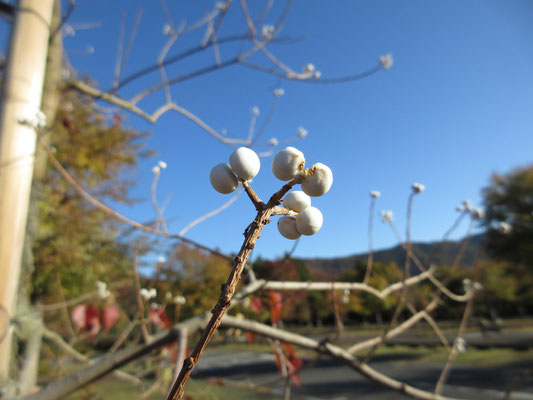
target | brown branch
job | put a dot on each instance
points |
(252, 233)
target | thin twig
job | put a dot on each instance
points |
(370, 240)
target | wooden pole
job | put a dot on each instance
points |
(19, 117)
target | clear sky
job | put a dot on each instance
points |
(456, 106)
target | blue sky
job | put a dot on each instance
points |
(455, 107)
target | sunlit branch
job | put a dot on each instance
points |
(210, 214)
(331, 350)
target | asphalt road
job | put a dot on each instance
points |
(328, 380)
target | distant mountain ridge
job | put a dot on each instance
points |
(438, 253)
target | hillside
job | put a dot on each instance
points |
(438, 253)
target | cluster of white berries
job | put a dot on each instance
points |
(301, 132)
(148, 294)
(167, 29)
(309, 69)
(346, 296)
(418, 188)
(504, 227)
(267, 31)
(478, 213)
(466, 206)
(156, 169)
(180, 300)
(244, 163)
(386, 215)
(279, 92)
(220, 5)
(101, 289)
(386, 61)
(286, 165)
(460, 344)
(467, 285)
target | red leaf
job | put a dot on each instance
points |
(110, 316)
(78, 316)
(275, 304)
(294, 363)
(256, 304)
(92, 320)
(251, 337)
(117, 119)
(158, 316)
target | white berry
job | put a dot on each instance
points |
(318, 181)
(223, 179)
(287, 228)
(245, 163)
(309, 221)
(297, 201)
(288, 163)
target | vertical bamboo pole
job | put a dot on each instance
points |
(20, 101)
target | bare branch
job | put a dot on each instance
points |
(333, 351)
(211, 213)
(59, 342)
(262, 284)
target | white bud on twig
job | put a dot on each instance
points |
(375, 194)
(101, 288)
(255, 111)
(167, 29)
(418, 187)
(308, 68)
(386, 61)
(386, 215)
(156, 169)
(267, 31)
(301, 132)
(504, 227)
(162, 164)
(279, 92)
(273, 142)
(478, 213)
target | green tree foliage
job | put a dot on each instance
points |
(363, 304)
(509, 200)
(195, 275)
(77, 244)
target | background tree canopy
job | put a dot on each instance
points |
(77, 244)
